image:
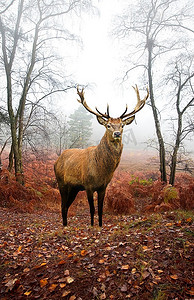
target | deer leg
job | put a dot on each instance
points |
(71, 196)
(101, 194)
(68, 195)
(92, 208)
(64, 208)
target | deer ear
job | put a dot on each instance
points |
(129, 120)
(102, 121)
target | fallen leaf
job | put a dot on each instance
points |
(40, 266)
(133, 271)
(108, 248)
(191, 291)
(169, 224)
(103, 296)
(124, 288)
(43, 282)
(12, 283)
(62, 262)
(27, 293)
(95, 292)
(26, 270)
(69, 280)
(156, 277)
(52, 287)
(101, 261)
(19, 248)
(65, 293)
(66, 272)
(63, 279)
(84, 253)
(125, 267)
(72, 297)
(145, 274)
(145, 248)
(62, 285)
(175, 277)
(189, 220)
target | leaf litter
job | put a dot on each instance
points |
(129, 257)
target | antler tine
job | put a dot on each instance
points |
(124, 112)
(140, 103)
(106, 115)
(83, 102)
(108, 111)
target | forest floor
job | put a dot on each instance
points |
(130, 257)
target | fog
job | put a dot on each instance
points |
(99, 65)
(93, 57)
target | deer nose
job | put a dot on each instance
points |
(117, 134)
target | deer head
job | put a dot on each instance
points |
(114, 126)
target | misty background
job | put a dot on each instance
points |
(103, 47)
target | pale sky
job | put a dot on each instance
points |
(99, 64)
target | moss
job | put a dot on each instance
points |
(170, 193)
(143, 182)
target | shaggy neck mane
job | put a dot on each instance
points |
(109, 152)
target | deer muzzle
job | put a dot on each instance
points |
(117, 134)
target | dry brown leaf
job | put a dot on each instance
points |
(103, 296)
(66, 293)
(69, 280)
(125, 267)
(101, 261)
(175, 277)
(124, 288)
(191, 291)
(52, 287)
(84, 253)
(27, 293)
(108, 248)
(12, 283)
(62, 262)
(66, 273)
(145, 274)
(169, 224)
(156, 277)
(40, 266)
(43, 282)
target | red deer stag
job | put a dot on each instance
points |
(92, 169)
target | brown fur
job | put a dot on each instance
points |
(89, 169)
(92, 169)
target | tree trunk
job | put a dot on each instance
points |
(173, 166)
(10, 166)
(156, 119)
(177, 143)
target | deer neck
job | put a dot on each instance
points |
(109, 151)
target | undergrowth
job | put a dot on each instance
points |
(127, 193)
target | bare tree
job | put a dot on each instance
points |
(181, 77)
(5, 6)
(154, 23)
(27, 30)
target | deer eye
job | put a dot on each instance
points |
(108, 126)
(122, 125)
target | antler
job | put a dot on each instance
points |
(83, 102)
(140, 104)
